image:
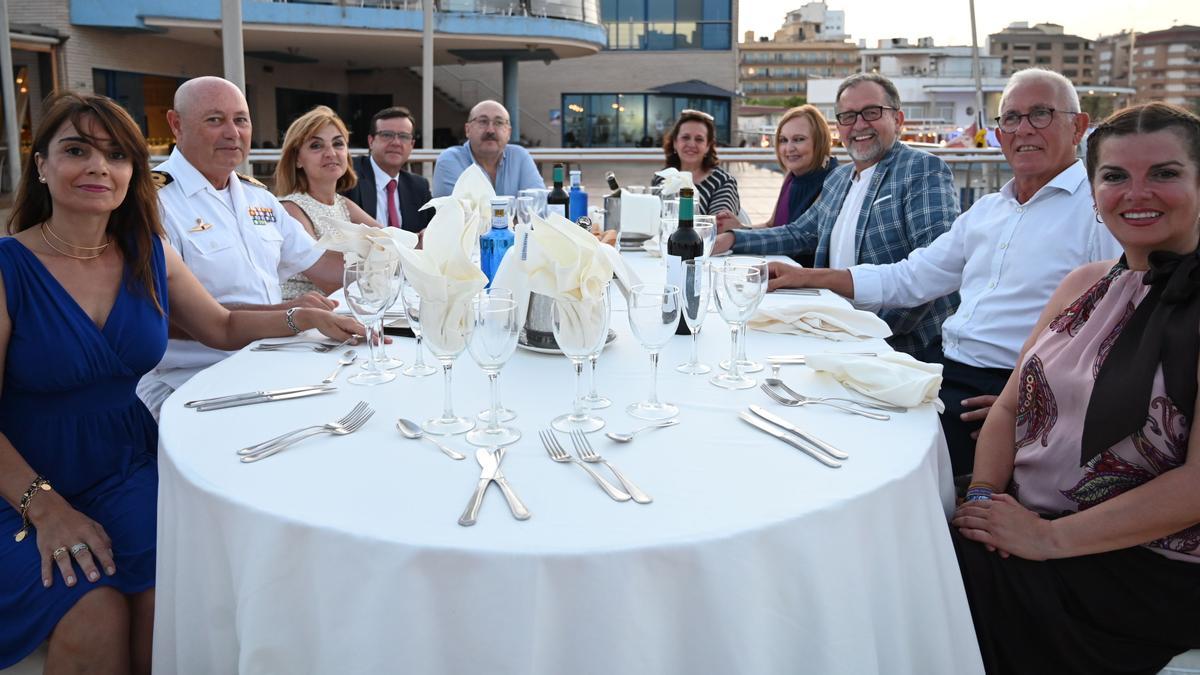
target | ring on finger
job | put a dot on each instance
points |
(58, 551)
(79, 548)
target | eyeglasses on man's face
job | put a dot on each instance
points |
(1039, 118)
(389, 136)
(871, 113)
(485, 122)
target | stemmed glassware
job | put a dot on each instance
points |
(526, 208)
(382, 357)
(368, 290)
(412, 309)
(580, 328)
(594, 400)
(744, 363)
(492, 343)
(738, 290)
(697, 286)
(653, 316)
(706, 227)
(447, 327)
(668, 222)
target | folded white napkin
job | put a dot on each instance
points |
(893, 377)
(674, 180)
(444, 275)
(475, 190)
(560, 260)
(651, 246)
(378, 249)
(824, 316)
(640, 213)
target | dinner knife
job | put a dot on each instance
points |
(804, 436)
(800, 359)
(514, 502)
(789, 439)
(265, 399)
(253, 394)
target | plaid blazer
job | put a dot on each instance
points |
(912, 200)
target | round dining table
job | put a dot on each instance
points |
(343, 553)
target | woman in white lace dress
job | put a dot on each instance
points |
(313, 169)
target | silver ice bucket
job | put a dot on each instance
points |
(539, 323)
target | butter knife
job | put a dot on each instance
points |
(804, 436)
(789, 439)
(253, 394)
(265, 399)
(514, 502)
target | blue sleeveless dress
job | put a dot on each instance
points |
(69, 407)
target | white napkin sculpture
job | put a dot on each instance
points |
(893, 377)
(377, 248)
(475, 190)
(674, 180)
(821, 316)
(639, 214)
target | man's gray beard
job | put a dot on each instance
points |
(872, 154)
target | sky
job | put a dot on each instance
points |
(948, 22)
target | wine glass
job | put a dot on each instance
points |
(745, 364)
(668, 222)
(526, 208)
(368, 288)
(653, 316)
(738, 290)
(697, 286)
(706, 227)
(492, 343)
(382, 358)
(578, 326)
(447, 325)
(594, 400)
(412, 309)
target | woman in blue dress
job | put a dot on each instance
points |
(86, 283)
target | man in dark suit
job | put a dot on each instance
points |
(384, 189)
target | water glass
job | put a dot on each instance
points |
(744, 363)
(653, 316)
(706, 227)
(526, 208)
(697, 287)
(594, 400)
(666, 227)
(579, 327)
(382, 358)
(447, 326)
(412, 309)
(493, 340)
(368, 291)
(737, 291)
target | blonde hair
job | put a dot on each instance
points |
(822, 139)
(289, 178)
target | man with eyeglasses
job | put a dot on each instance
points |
(889, 201)
(1005, 255)
(488, 130)
(385, 189)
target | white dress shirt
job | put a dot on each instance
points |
(239, 254)
(1005, 258)
(381, 183)
(843, 248)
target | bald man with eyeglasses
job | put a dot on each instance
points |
(508, 166)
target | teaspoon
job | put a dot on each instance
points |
(625, 438)
(410, 429)
(349, 357)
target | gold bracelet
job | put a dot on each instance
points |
(37, 485)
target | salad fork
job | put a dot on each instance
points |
(797, 402)
(353, 421)
(584, 449)
(559, 455)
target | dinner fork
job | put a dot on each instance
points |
(797, 402)
(584, 449)
(313, 345)
(559, 455)
(353, 421)
(868, 401)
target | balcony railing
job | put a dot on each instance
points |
(571, 10)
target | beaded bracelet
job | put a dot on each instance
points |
(979, 492)
(39, 483)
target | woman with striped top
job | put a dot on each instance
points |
(691, 146)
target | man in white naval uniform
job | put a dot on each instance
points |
(230, 230)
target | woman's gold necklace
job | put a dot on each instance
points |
(99, 250)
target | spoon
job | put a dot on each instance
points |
(625, 438)
(349, 357)
(410, 429)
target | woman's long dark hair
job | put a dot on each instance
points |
(710, 158)
(134, 224)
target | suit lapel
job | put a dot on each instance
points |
(882, 170)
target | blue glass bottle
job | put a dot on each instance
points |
(494, 244)
(577, 206)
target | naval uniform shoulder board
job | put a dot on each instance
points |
(161, 179)
(253, 181)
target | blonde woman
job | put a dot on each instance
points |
(313, 169)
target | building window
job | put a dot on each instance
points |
(1020, 48)
(1071, 46)
(633, 120)
(1042, 59)
(1043, 45)
(667, 24)
(1070, 72)
(146, 97)
(1070, 59)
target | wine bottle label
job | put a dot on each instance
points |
(674, 271)
(560, 209)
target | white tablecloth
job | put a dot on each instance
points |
(343, 554)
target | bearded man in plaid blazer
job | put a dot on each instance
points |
(889, 201)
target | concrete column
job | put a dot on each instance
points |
(233, 52)
(512, 95)
(12, 134)
(427, 84)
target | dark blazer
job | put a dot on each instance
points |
(412, 192)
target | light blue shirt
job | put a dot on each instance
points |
(515, 173)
